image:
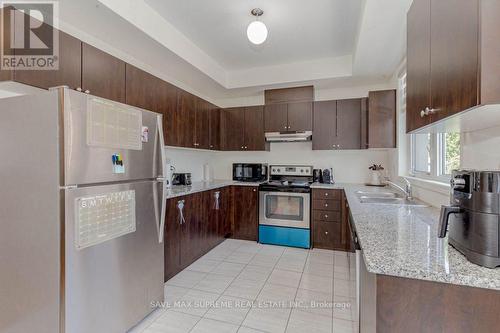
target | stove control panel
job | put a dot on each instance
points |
(291, 170)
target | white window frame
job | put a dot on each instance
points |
(437, 156)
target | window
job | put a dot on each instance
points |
(449, 154)
(421, 153)
(434, 156)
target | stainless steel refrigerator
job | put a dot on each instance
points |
(81, 213)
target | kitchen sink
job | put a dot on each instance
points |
(386, 198)
(377, 194)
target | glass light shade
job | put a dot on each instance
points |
(257, 32)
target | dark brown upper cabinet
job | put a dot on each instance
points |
(242, 128)
(289, 109)
(186, 110)
(69, 72)
(289, 95)
(214, 120)
(202, 124)
(381, 119)
(452, 59)
(233, 128)
(454, 56)
(337, 124)
(151, 93)
(288, 117)
(276, 118)
(418, 65)
(300, 116)
(102, 74)
(325, 125)
(349, 124)
(254, 128)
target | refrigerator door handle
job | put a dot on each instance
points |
(159, 148)
(160, 210)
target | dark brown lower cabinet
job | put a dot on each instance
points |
(245, 212)
(409, 305)
(207, 221)
(172, 241)
(328, 229)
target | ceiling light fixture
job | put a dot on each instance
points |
(257, 30)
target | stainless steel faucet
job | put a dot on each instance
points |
(406, 190)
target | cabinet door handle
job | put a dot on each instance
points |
(87, 91)
(326, 232)
(326, 205)
(326, 216)
(79, 89)
(422, 114)
(255, 190)
(429, 110)
(180, 207)
(326, 194)
(216, 196)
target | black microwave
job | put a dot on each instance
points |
(249, 172)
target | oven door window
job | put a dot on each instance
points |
(283, 207)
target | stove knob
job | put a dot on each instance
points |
(302, 170)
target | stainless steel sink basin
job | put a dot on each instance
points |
(377, 194)
(386, 198)
(390, 201)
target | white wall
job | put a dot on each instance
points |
(349, 166)
(480, 149)
(189, 160)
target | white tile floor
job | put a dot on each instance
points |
(247, 287)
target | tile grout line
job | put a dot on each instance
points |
(333, 290)
(263, 285)
(239, 275)
(296, 292)
(219, 296)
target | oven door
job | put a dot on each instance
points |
(284, 209)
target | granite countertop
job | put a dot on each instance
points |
(402, 241)
(201, 186)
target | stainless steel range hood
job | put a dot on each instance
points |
(288, 136)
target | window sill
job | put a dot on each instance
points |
(429, 184)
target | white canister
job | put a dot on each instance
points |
(376, 177)
(207, 172)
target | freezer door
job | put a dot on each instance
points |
(106, 141)
(111, 285)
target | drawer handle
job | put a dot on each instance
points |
(326, 205)
(326, 216)
(326, 232)
(326, 194)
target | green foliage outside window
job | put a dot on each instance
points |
(452, 152)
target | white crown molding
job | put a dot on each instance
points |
(289, 73)
(141, 15)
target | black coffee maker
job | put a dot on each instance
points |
(317, 176)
